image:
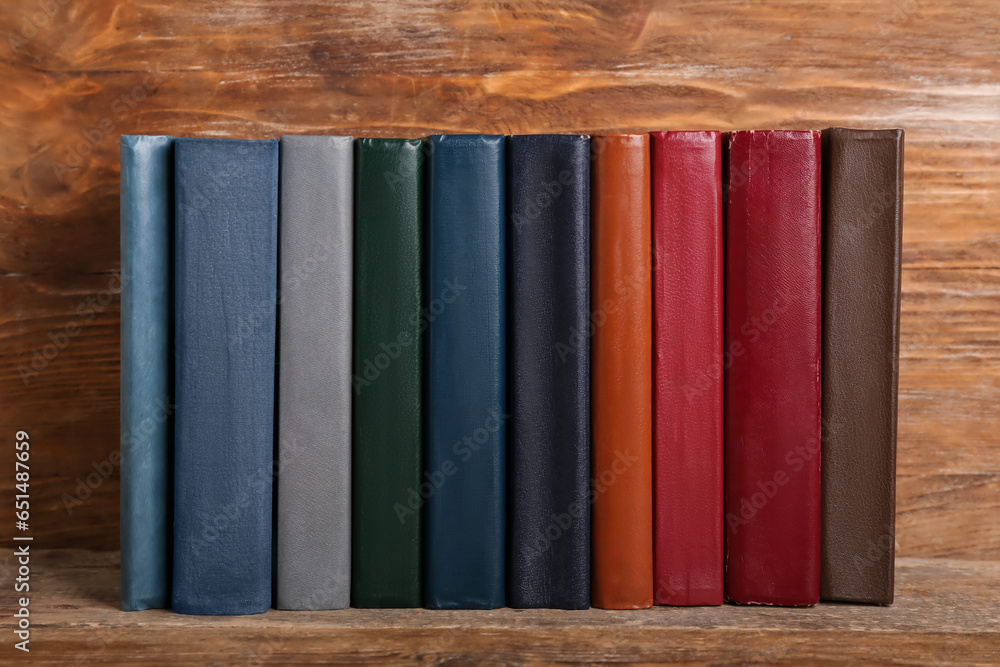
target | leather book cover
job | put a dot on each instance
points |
(862, 210)
(622, 372)
(687, 329)
(147, 205)
(313, 553)
(772, 368)
(226, 261)
(549, 193)
(388, 372)
(464, 484)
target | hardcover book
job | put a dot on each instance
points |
(464, 479)
(862, 204)
(772, 368)
(314, 373)
(147, 205)
(622, 372)
(687, 329)
(388, 373)
(549, 181)
(225, 289)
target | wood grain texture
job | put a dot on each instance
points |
(74, 76)
(945, 611)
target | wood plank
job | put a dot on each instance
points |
(91, 70)
(947, 411)
(59, 381)
(948, 515)
(479, 36)
(944, 611)
(61, 340)
(59, 371)
(949, 377)
(471, 645)
(97, 69)
(81, 511)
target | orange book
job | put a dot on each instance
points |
(622, 372)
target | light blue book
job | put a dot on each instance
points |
(147, 197)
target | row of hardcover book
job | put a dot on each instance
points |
(538, 371)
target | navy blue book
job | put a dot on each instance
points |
(466, 412)
(549, 190)
(147, 204)
(225, 286)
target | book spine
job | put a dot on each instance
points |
(772, 368)
(466, 420)
(687, 305)
(225, 284)
(621, 373)
(147, 174)
(549, 181)
(862, 204)
(388, 373)
(314, 373)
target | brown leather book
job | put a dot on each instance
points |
(862, 229)
(621, 372)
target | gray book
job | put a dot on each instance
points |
(314, 373)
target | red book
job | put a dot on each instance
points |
(772, 368)
(687, 333)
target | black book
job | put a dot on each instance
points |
(549, 189)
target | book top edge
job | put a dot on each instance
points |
(888, 133)
(466, 138)
(316, 138)
(223, 140)
(556, 136)
(387, 141)
(133, 140)
(791, 134)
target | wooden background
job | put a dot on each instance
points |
(74, 75)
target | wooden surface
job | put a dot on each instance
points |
(257, 69)
(945, 611)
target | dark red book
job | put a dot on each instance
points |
(687, 386)
(772, 368)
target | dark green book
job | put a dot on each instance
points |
(388, 372)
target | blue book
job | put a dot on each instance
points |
(466, 412)
(225, 285)
(147, 204)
